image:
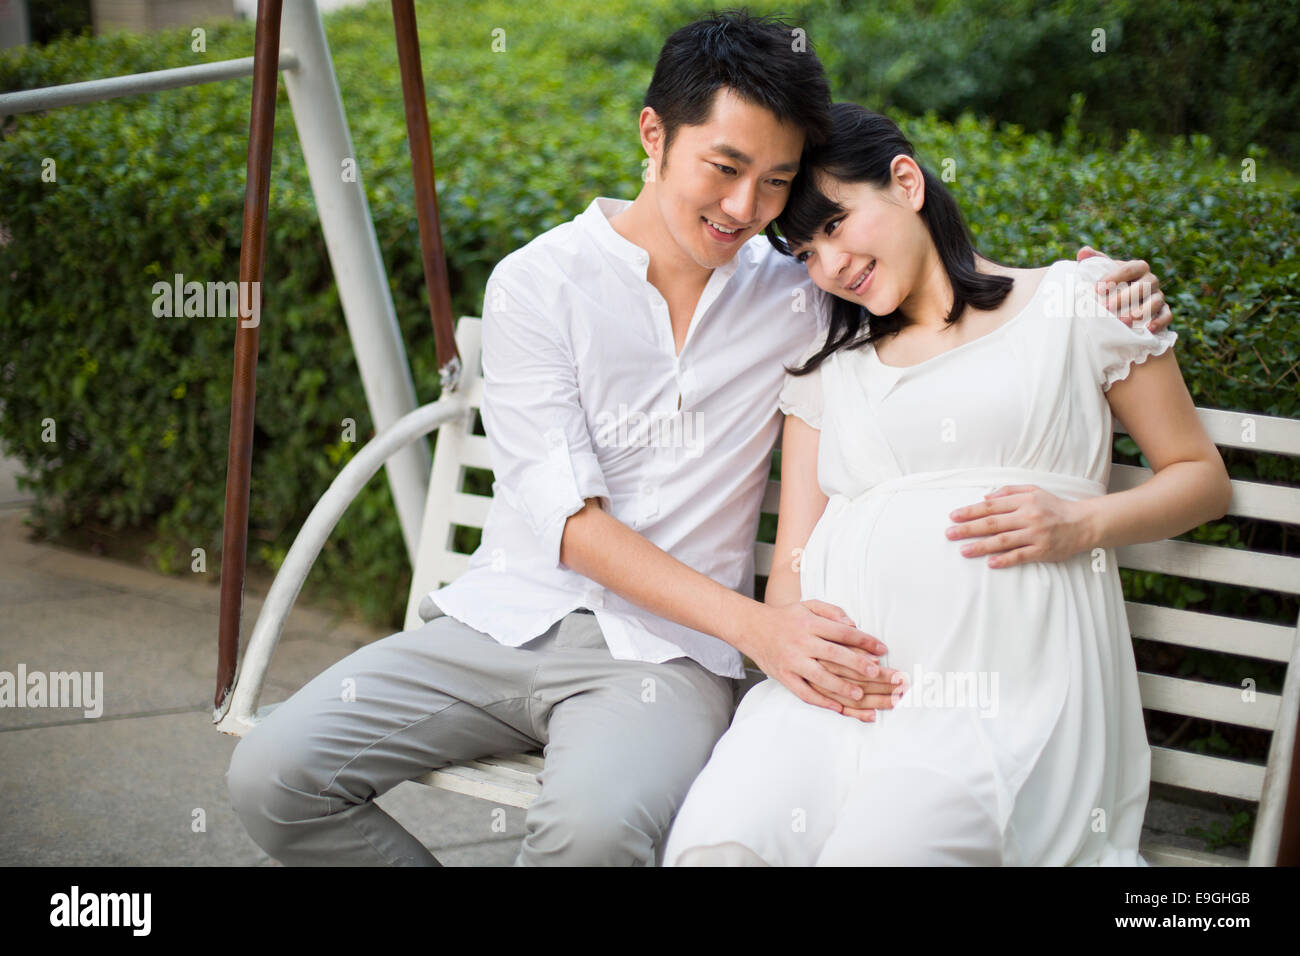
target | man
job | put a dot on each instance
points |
(632, 359)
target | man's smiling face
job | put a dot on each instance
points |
(733, 172)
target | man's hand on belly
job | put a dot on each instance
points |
(819, 655)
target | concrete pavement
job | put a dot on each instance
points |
(126, 788)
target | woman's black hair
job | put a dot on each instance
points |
(763, 60)
(861, 147)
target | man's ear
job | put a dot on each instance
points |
(652, 136)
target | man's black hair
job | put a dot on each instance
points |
(763, 60)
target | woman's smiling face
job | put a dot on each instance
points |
(874, 252)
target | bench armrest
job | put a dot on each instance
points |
(237, 714)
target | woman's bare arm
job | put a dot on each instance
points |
(1190, 485)
(802, 504)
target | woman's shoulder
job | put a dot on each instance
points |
(1060, 287)
(1028, 285)
(1073, 288)
(1027, 281)
(1078, 271)
(1029, 276)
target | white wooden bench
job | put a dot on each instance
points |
(512, 780)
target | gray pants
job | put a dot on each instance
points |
(623, 742)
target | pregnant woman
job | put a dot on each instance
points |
(945, 457)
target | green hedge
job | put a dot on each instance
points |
(1226, 68)
(152, 186)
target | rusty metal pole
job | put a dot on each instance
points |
(436, 283)
(252, 258)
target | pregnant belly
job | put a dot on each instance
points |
(998, 661)
(950, 622)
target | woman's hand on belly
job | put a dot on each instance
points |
(1020, 523)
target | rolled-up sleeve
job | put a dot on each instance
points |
(542, 456)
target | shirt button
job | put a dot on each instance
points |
(555, 438)
(649, 502)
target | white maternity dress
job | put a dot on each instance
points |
(1020, 739)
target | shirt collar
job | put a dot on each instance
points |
(596, 218)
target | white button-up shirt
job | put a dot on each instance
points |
(584, 396)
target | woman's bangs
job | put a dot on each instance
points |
(806, 211)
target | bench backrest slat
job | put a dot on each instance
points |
(1230, 778)
(1208, 562)
(1221, 702)
(1248, 431)
(1211, 632)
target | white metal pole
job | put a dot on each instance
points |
(131, 84)
(354, 253)
(236, 714)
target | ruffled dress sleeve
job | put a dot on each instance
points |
(1110, 347)
(801, 395)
